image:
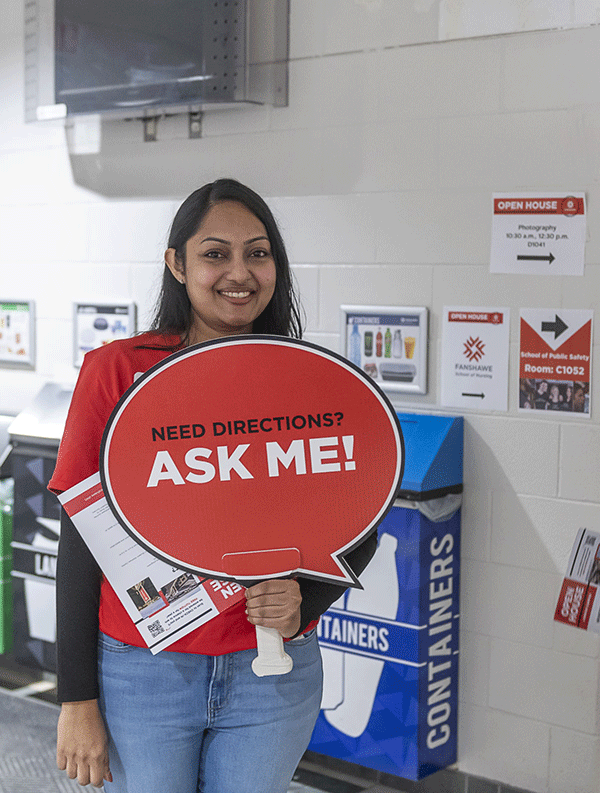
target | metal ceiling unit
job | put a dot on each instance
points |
(140, 58)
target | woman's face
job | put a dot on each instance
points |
(229, 272)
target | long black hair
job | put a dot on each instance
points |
(173, 313)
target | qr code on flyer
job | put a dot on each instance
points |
(155, 629)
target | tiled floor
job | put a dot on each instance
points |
(313, 779)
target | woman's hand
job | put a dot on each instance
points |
(275, 604)
(82, 744)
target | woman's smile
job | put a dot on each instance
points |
(235, 295)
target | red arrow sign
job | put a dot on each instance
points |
(253, 457)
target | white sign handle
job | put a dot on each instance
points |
(272, 659)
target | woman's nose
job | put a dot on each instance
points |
(239, 270)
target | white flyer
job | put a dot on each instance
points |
(475, 345)
(579, 601)
(164, 602)
(538, 233)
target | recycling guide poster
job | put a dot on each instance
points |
(475, 344)
(555, 360)
(16, 333)
(95, 325)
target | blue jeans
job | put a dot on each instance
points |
(184, 723)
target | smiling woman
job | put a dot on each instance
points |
(193, 717)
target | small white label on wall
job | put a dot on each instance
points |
(50, 112)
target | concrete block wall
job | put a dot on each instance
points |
(381, 172)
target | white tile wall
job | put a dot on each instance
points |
(19, 389)
(574, 762)
(501, 150)
(307, 28)
(148, 220)
(505, 747)
(326, 229)
(371, 285)
(474, 666)
(449, 227)
(527, 598)
(44, 233)
(39, 176)
(574, 641)
(285, 151)
(348, 89)
(470, 18)
(507, 454)
(79, 281)
(424, 82)
(307, 282)
(476, 523)
(364, 24)
(145, 284)
(585, 13)
(55, 348)
(580, 461)
(545, 685)
(537, 533)
(396, 155)
(380, 172)
(534, 77)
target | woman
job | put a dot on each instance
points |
(555, 398)
(193, 718)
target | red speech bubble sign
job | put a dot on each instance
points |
(253, 457)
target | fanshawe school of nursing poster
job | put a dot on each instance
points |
(475, 344)
(555, 360)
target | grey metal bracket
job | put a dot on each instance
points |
(150, 128)
(195, 123)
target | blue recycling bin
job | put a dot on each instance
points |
(390, 650)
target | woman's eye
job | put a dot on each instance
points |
(260, 253)
(213, 254)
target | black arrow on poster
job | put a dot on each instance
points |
(557, 327)
(550, 258)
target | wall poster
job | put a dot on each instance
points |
(538, 233)
(555, 365)
(95, 325)
(17, 333)
(389, 343)
(475, 344)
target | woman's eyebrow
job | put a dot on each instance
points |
(227, 242)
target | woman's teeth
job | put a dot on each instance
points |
(236, 294)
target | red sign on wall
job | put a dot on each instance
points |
(555, 360)
(251, 457)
